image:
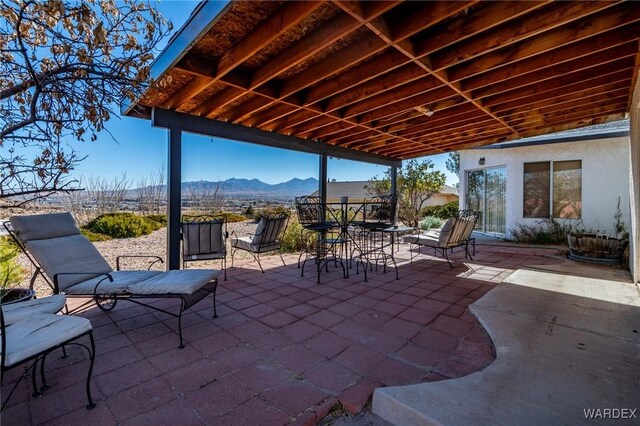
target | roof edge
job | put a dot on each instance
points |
(180, 43)
(564, 139)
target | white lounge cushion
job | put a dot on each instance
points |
(423, 240)
(446, 231)
(186, 281)
(247, 243)
(44, 226)
(38, 333)
(121, 282)
(70, 254)
(15, 312)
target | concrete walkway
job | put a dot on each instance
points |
(564, 344)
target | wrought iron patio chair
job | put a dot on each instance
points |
(268, 237)
(327, 242)
(378, 214)
(71, 265)
(31, 338)
(204, 237)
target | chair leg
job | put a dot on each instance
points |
(42, 376)
(233, 251)
(215, 312)
(224, 266)
(281, 258)
(34, 385)
(182, 308)
(92, 357)
(257, 256)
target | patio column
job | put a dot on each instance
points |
(634, 183)
(394, 185)
(174, 197)
(322, 180)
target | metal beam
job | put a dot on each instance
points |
(204, 126)
(174, 198)
(394, 187)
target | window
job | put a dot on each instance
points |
(557, 193)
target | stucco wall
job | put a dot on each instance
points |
(605, 176)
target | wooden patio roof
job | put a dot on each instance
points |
(401, 79)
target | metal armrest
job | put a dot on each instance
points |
(157, 259)
(106, 276)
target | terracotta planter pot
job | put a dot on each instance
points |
(14, 295)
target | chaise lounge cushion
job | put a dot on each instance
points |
(186, 281)
(38, 333)
(14, 312)
(423, 240)
(72, 254)
(121, 282)
(44, 227)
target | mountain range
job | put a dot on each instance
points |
(233, 186)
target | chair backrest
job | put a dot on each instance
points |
(56, 244)
(310, 209)
(203, 237)
(456, 230)
(380, 209)
(270, 230)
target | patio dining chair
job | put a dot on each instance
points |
(32, 337)
(204, 237)
(72, 266)
(268, 237)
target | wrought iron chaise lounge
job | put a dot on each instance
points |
(71, 265)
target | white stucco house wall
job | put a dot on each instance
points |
(592, 163)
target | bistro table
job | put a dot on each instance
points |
(399, 231)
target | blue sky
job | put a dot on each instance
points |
(139, 149)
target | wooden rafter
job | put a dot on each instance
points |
(403, 79)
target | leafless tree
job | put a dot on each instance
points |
(99, 196)
(206, 199)
(65, 67)
(152, 193)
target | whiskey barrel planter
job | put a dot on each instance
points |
(596, 249)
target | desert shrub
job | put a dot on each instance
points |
(430, 222)
(94, 236)
(547, 231)
(249, 212)
(444, 211)
(122, 225)
(269, 210)
(11, 273)
(232, 217)
(293, 239)
(159, 218)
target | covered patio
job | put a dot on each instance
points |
(283, 349)
(390, 80)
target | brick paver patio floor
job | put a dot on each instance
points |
(283, 349)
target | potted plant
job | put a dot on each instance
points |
(10, 275)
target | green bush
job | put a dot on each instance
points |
(232, 217)
(269, 210)
(11, 273)
(444, 211)
(547, 231)
(122, 225)
(430, 222)
(94, 236)
(159, 218)
(293, 240)
(249, 212)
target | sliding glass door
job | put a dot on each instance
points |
(487, 192)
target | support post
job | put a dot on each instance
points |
(394, 186)
(322, 181)
(634, 183)
(174, 198)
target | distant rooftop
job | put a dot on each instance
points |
(612, 129)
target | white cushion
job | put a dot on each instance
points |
(121, 281)
(186, 281)
(423, 240)
(446, 231)
(33, 335)
(44, 226)
(15, 312)
(246, 243)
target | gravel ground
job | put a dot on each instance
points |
(152, 244)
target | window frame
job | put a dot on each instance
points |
(551, 197)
